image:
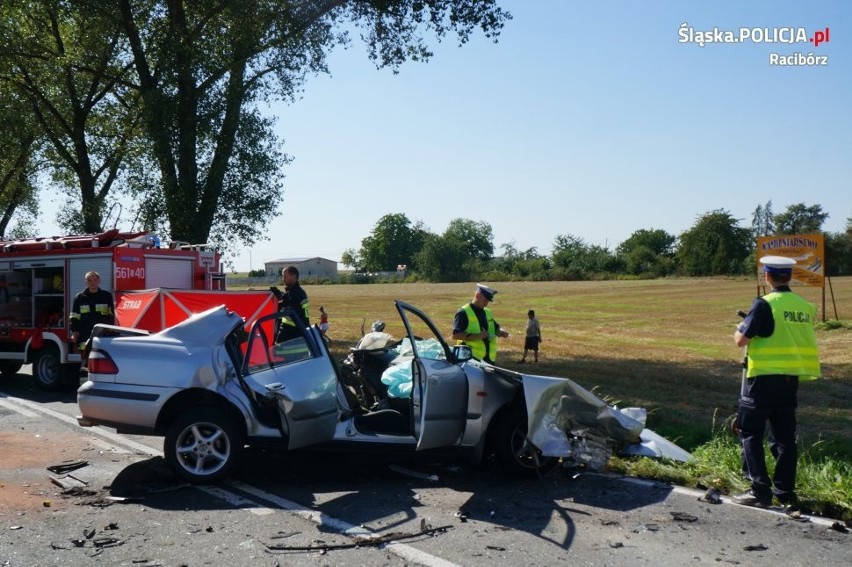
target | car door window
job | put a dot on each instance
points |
(264, 353)
(424, 340)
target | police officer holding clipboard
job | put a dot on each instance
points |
(778, 332)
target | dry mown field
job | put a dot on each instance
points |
(661, 344)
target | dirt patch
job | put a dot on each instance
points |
(24, 479)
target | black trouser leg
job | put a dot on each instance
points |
(782, 444)
(752, 423)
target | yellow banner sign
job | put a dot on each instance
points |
(808, 250)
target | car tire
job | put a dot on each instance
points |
(203, 445)
(10, 367)
(47, 371)
(513, 452)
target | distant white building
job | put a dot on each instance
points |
(309, 268)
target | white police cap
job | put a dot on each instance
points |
(777, 264)
(487, 292)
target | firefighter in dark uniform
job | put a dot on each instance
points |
(295, 298)
(91, 306)
(781, 351)
(474, 325)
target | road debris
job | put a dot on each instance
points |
(712, 496)
(358, 541)
(103, 542)
(414, 474)
(683, 517)
(67, 466)
(758, 547)
(839, 527)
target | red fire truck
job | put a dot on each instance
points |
(39, 278)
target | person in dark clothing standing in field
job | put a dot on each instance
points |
(91, 306)
(474, 325)
(781, 351)
(295, 298)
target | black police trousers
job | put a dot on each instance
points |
(770, 399)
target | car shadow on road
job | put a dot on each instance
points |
(384, 493)
(22, 385)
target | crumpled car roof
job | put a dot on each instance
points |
(206, 328)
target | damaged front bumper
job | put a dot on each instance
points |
(568, 421)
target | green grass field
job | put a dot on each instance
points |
(665, 345)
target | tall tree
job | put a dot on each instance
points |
(394, 240)
(203, 67)
(800, 219)
(18, 147)
(478, 236)
(64, 59)
(715, 245)
(762, 223)
(443, 259)
(657, 241)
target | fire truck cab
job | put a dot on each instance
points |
(40, 277)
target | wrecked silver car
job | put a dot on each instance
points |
(210, 387)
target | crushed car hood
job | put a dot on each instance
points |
(566, 420)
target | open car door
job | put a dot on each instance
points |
(295, 372)
(439, 390)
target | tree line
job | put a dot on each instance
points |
(154, 106)
(717, 244)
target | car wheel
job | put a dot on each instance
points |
(203, 444)
(47, 371)
(513, 451)
(10, 367)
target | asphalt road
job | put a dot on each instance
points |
(124, 507)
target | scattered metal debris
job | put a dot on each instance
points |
(103, 542)
(712, 496)
(67, 466)
(78, 491)
(683, 517)
(358, 541)
(283, 535)
(124, 499)
(495, 548)
(414, 474)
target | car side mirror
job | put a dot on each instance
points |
(462, 353)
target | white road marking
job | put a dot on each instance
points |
(15, 408)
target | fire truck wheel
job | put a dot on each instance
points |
(10, 367)
(47, 371)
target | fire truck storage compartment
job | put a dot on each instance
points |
(175, 273)
(32, 293)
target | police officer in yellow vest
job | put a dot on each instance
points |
(781, 351)
(474, 325)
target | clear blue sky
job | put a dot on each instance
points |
(586, 118)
